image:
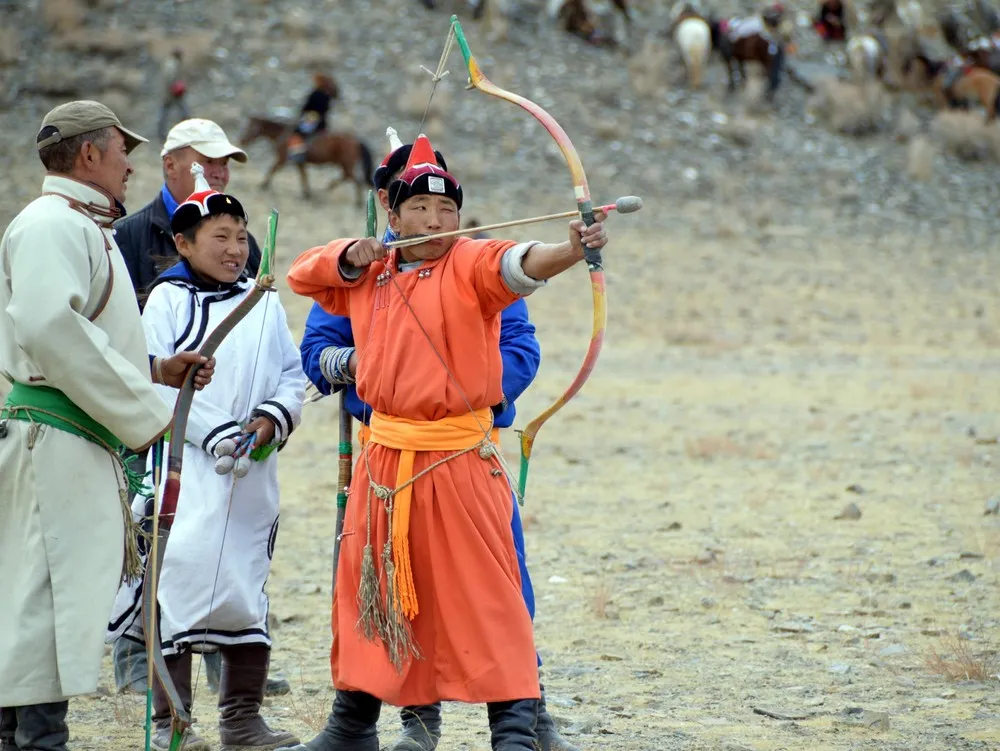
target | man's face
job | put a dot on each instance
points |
(425, 215)
(180, 181)
(108, 169)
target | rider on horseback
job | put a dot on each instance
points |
(312, 118)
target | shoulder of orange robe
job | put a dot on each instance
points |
(181, 717)
(595, 263)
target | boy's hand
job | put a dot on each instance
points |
(173, 369)
(593, 236)
(264, 429)
(365, 252)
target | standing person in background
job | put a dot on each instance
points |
(174, 90)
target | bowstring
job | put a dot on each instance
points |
(436, 77)
(229, 511)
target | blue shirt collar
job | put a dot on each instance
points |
(168, 201)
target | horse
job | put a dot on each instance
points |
(693, 37)
(956, 86)
(866, 57)
(748, 47)
(337, 148)
(576, 17)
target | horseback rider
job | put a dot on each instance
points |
(312, 118)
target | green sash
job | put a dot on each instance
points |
(49, 406)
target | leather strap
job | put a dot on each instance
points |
(88, 209)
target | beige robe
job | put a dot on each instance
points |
(60, 521)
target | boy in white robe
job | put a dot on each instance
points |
(211, 588)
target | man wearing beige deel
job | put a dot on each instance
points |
(73, 352)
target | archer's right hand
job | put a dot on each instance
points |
(365, 252)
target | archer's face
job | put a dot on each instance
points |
(426, 215)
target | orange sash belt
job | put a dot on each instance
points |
(364, 433)
(459, 434)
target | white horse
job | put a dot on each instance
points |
(865, 58)
(694, 39)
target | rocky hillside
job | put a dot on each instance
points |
(705, 163)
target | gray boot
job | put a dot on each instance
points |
(41, 727)
(241, 691)
(179, 667)
(351, 725)
(421, 728)
(8, 725)
(548, 736)
(512, 724)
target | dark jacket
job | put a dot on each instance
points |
(319, 102)
(145, 236)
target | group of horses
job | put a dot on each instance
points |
(897, 53)
(738, 41)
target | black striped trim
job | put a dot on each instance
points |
(219, 434)
(205, 305)
(283, 413)
(192, 303)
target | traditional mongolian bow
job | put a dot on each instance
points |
(595, 263)
(171, 491)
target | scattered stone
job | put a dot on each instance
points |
(815, 701)
(992, 506)
(892, 650)
(839, 668)
(612, 658)
(968, 555)
(778, 714)
(705, 557)
(656, 602)
(557, 580)
(792, 627)
(948, 694)
(855, 488)
(850, 511)
(866, 718)
(673, 526)
(708, 602)
(963, 576)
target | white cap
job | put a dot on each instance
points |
(205, 137)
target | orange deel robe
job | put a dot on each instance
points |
(472, 629)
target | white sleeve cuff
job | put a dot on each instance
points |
(513, 274)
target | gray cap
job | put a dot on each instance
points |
(79, 117)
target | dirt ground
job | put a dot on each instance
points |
(681, 518)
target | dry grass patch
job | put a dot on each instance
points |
(967, 136)
(849, 108)
(957, 659)
(63, 16)
(712, 447)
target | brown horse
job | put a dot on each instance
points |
(956, 88)
(753, 47)
(340, 149)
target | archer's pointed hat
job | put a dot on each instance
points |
(422, 176)
(396, 160)
(204, 202)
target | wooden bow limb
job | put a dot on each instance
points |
(624, 205)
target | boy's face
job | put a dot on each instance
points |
(220, 249)
(425, 215)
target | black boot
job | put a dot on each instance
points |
(421, 728)
(512, 724)
(179, 667)
(241, 691)
(8, 724)
(548, 736)
(42, 727)
(351, 725)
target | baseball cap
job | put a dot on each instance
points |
(205, 137)
(79, 117)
